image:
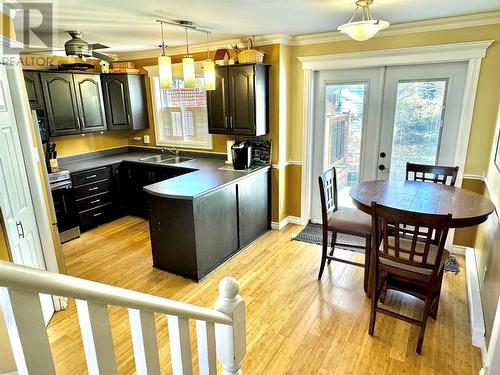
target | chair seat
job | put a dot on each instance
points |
(351, 221)
(406, 244)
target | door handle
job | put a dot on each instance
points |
(20, 229)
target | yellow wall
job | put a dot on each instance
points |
(488, 94)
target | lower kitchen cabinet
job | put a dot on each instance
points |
(192, 237)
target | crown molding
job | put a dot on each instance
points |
(437, 24)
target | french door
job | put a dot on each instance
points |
(369, 122)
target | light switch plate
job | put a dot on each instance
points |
(146, 139)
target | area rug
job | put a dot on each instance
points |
(313, 233)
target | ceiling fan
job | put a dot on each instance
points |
(76, 46)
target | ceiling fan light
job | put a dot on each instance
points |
(363, 30)
(165, 71)
(209, 74)
(188, 72)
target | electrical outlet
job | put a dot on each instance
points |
(146, 139)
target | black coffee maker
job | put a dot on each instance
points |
(242, 155)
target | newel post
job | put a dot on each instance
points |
(231, 339)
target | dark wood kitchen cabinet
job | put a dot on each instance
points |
(240, 103)
(34, 90)
(125, 101)
(74, 103)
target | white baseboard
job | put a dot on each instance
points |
(458, 249)
(10, 373)
(476, 317)
(287, 220)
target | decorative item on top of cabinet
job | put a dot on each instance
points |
(240, 103)
(125, 101)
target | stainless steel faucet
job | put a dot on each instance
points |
(171, 150)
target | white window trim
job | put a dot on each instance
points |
(153, 72)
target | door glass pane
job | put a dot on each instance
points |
(417, 124)
(344, 118)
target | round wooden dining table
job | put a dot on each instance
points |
(467, 208)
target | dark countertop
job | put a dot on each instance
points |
(205, 177)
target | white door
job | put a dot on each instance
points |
(15, 198)
(420, 117)
(346, 122)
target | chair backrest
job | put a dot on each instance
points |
(432, 173)
(328, 193)
(406, 237)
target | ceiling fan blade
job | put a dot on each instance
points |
(101, 56)
(97, 46)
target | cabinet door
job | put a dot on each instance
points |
(253, 207)
(89, 99)
(62, 111)
(242, 99)
(116, 101)
(217, 104)
(34, 90)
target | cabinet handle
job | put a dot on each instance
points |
(129, 120)
(94, 188)
(225, 121)
(89, 177)
(78, 122)
(82, 121)
(98, 214)
(231, 121)
(95, 201)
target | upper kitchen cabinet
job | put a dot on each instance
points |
(74, 103)
(34, 90)
(90, 105)
(62, 110)
(125, 101)
(239, 104)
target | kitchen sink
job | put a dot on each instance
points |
(176, 160)
(157, 158)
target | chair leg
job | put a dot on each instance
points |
(383, 293)
(427, 309)
(367, 266)
(334, 241)
(323, 253)
(373, 312)
(437, 297)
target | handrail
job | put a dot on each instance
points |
(33, 280)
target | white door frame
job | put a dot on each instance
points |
(472, 52)
(30, 154)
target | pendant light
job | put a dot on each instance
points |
(366, 27)
(164, 65)
(188, 67)
(209, 71)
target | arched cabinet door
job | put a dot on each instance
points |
(90, 105)
(242, 100)
(62, 110)
(117, 102)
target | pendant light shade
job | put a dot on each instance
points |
(209, 71)
(188, 68)
(367, 27)
(165, 70)
(164, 65)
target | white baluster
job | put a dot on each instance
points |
(27, 332)
(143, 329)
(180, 347)
(96, 337)
(231, 340)
(207, 359)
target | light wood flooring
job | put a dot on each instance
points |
(295, 323)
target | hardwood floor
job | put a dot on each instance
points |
(295, 323)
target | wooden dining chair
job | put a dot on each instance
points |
(432, 173)
(405, 263)
(353, 222)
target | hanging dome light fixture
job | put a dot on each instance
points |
(366, 27)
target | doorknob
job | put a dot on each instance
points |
(20, 229)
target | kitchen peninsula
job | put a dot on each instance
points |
(201, 211)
